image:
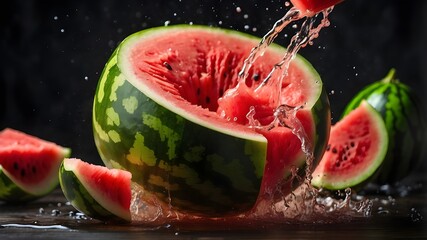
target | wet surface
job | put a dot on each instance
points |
(53, 218)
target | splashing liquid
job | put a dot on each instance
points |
(304, 204)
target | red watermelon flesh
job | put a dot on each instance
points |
(30, 162)
(311, 7)
(207, 70)
(111, 188)
(357, 147)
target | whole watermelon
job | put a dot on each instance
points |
(403, 115)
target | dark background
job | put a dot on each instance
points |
(52, 52)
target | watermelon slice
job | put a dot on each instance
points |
(28, 166)
(157, 113)
(96, 191)
(405, 119)
(357, 146)
(311, 7)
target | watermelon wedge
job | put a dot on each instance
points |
(157, 113)
(357, 147)
(311, 7)
(28, 166)
(405, 119)
(96, 191)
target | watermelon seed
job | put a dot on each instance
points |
(198, 91)
(22, 172)
(334, 150)
(208, 99)
(168, 66)
(15, 166)
(328, 147)
(351, 144)
(256, 77)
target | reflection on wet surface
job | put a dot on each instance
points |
(391, 217)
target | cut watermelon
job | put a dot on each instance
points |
(96, 191)
(403, 114)
(156, 114)
(357, 147)
(311, 7)
(28, 166)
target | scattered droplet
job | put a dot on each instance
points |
(41, 211)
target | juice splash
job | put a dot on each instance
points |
(304, 204)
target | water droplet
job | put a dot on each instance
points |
(55, 212)
(86, 78)
(62, 30)
(55, 18)
(238, 9)
(246, 16)
(41, 211)
(287, 4)
(415, 215)
(167, 23)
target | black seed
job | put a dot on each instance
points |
(208, 99)
(334, 150)
(22, 172)
(255, 77)
(15, 166)
(347, 147)
(344, 158)
(328, 147)
(168, 66)
(198, 91)
(351, 144)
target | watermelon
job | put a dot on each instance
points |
(405, 120)
(311, 7)
(157, 114)
(356, 149)
(28, 166)
(96, 191)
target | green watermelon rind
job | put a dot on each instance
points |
(11, 190)
(405, 123)
(237, 192)
(84, 200)
(320, 179)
